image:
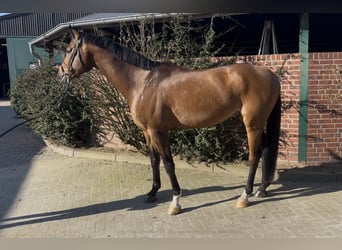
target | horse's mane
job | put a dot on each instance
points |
(122, 52)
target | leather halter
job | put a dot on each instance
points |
(75, 51)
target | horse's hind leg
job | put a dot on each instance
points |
(267, 174)
(254, 140)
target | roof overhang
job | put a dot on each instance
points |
(98, 20)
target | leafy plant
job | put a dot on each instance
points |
(60, 115)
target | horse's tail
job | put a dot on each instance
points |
(271, 142)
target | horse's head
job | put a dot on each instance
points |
(77, 59)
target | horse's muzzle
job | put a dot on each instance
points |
(63, 76)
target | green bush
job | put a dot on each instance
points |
(111, 113)
(62, 116)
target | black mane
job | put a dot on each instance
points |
(122, 52)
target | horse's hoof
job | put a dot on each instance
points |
(260, 194)
(241, 203)
(151, 198)
(174, 210)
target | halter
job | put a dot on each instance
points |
(74, 53)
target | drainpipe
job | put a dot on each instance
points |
(304, 80)
(35, 54)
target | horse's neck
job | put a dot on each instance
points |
(125, 78)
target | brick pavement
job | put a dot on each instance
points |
(48, 194)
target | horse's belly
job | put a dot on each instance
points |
(205, 114)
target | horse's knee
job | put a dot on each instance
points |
(169, 165)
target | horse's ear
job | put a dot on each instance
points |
(74, 33)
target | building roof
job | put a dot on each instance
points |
(100, 20)
(103, 16)
(33, 24)
(325, 32)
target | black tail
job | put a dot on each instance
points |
(271, 142)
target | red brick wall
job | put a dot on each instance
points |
(325, 107)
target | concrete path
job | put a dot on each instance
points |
(88, 194)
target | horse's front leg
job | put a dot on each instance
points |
(160, 140)
(175, 207)
(155, 162)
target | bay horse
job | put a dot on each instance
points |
(164, 97)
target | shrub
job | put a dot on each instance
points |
(62, 116)
(111, 113)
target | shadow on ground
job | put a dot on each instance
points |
(287, 190)
(296, 189)
(136, 203)
(17, 149)
(324, 172)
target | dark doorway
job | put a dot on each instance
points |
(4, 72)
